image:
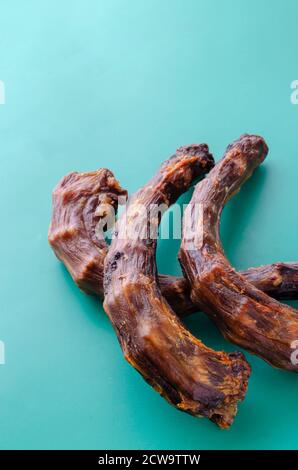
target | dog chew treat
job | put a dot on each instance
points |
(245, 315)
(192, 377)
(77, 243)
(81, 201)
(279, 280)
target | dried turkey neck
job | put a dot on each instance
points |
(81, 247)
(82, 203)
(245, 315)
(181, 368)
(278, 280)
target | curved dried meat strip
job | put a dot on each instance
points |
(244, 314)
(279, 280)
(189, 375)
(80, 202)
(81, 247)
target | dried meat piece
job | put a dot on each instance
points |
(181, 368)
(279, 280)
(79, 244)
(80, 202)
(74, 242)
(245, 315)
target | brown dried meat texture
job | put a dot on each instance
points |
(81, 201)
(189, 375)
(279, 280)
(74, 236)
(245, 315)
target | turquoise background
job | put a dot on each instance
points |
(121, 84)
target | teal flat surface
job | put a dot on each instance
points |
(121, 84)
